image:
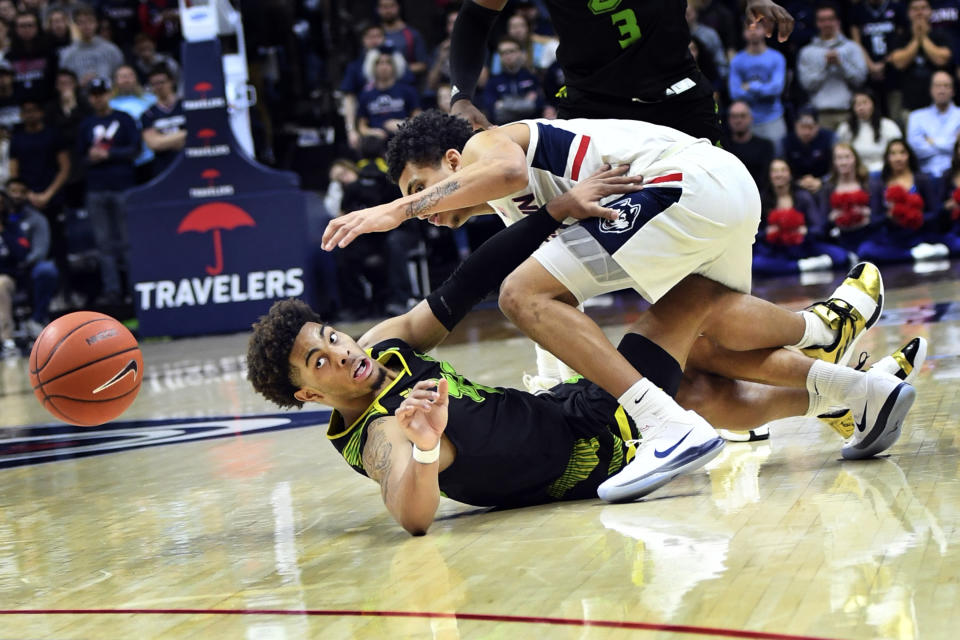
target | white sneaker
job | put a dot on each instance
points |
(681, 444)
(926, 251)
(815, 263)
(879, 407)
(760, 433)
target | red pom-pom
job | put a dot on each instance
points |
(860, 197)
(895, 193)
(773, 235)
(851, 218)
(791, 238)
(955, 214)
(908, 217)
(839, 200)
(786, 218)
(914, 200)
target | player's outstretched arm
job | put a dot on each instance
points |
(772, 15)
(495, 166)
(410, 488)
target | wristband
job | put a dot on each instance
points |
(426, 457)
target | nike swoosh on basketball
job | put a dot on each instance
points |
(666, 452)
(130, 367)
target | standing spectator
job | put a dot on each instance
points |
(160, 19)
(945, 18)
(721, 19)
(867, 131)
(165, 123)
(13, 249)
(146, 58)
(39, 159)
(91, 56)
(791, 230)
(846, 198)
(711, 40)
(404, 38)
(906, 200)
(875, 25)
(383, 106)
(515, 92)
(917, 54)
(932, 131)
(64, 114)
(37, 272)
(129, 97)
(754, 152)
(830, 68)
(109, 141)
(32, 60)
(757, 76)
(808, 150)
(9, 104)
(57, 26)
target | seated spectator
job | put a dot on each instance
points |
(906, 200)
(754, 152)
(342, 172)
(37, 272)
(950, 195)
(9, 104)
(146, 59)
(875, 25)
(384, 105)
(867, 131)
(538, 56)
(830, 68)
(13, 249)
(932, 131)
(757, 76)
(791, 227)
(514, 93)
(808, 150)
(33, 61)
(90, 56)
(846, 198)
(403, 37)
(356, 78)
(164, 124)
(917, 54)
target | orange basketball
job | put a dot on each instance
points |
(86, 368)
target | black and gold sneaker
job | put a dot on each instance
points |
(905, 363)
(854, 307)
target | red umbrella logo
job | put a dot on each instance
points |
(202, 88)
(214, 217)
(210, 175)
(206, 135)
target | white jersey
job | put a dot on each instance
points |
(563, 152)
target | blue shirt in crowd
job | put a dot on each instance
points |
(813, 158)
(931, 135)
(120, 135)
(764, 74)
(380, 105)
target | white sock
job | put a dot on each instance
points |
(648, 404)
(815, 332)
(819, 405)
(832, 381)
(548, 365)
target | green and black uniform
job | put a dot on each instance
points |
(513, 448)
(629, 59)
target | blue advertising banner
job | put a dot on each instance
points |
(217, 238)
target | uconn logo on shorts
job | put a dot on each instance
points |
(629, 214)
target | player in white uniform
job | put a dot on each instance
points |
(684, 242)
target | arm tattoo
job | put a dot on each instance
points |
(376, 455)
(431, 198)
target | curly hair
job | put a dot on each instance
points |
(424, 139)
(268, 352)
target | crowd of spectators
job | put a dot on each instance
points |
(849, 127)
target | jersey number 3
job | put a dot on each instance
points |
(625, 21)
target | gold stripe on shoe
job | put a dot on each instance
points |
(843, 318)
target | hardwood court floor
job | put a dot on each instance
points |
(262, 532)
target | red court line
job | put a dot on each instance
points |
(483, 617)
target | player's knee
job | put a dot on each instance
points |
(515, 295)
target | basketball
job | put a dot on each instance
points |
(86, 368)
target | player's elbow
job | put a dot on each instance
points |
(513, 170)
(416, 526)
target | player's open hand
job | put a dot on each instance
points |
(423, 414)
(770, 14)
(466, 110)
(343, 230)
(583, 200)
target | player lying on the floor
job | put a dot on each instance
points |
(684, 242)
(500, 446)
